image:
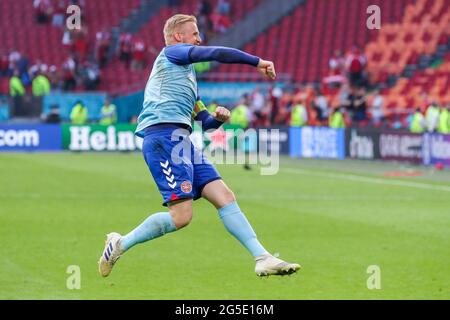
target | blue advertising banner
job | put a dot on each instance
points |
(317, 142)
(436, 149)
(30, 138)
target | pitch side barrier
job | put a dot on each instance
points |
(306, 142)
(427, 149)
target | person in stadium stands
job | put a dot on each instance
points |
(337, 119)
(212, 107)
(4, 65)
(240, 116)
(102, 43)
(108, 113)
(357, 106)
(69, 74)
(125, 47)
(40, 85)
(257, 108)
(170, 102)
(376, 108)
(355, 65)
(79, 113)
(90, 74)
(299, 115)
(337, 63)
(54, 78)
(53, 117)
(417, 122)
(138, 51)
(60, 13)
(432, 117)
(444, 120)
(320, 103)
(17, 92)
(43, 10)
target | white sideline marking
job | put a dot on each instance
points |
(352, 177)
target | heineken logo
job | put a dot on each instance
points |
(101, 138)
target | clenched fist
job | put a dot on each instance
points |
(267, 68)
(221, 114)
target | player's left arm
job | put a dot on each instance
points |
(210, 121)
(231, 55)
(183, 54)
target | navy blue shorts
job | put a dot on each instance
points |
(178, 168)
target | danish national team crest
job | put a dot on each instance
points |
(186, 186)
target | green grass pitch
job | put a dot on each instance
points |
(335, 218)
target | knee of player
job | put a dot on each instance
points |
(229, 196)
(182, 218)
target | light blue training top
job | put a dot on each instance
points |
(171, 91)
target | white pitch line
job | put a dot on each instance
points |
(352, 177)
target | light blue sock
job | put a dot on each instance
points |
(153, 227)
(237, 224)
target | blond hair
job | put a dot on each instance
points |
(174, 23)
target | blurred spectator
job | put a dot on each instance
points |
(321, 106)
(59, 13)
(53, 117)
(16, 88)
(90, 75)
(220, 22)
(299, 115)
(80, 3)
(257, 104)
(337, 63)
(205, 27)
(284, 107)
(125, 48)
(355, 66)
(444, 121)
(102, 43)
(40, 85)
(108, 113)
(204, 8)
(240, 115)
(139, 50)
(35, 69)
(22, 67)
(80, 44)
(68, 74)
(417, 122)
(212, 106)
(432, 117)
(274, 96)
(223, 7)
(43, 10)
(54, 78)
(357, 106)
(337, 119)
(67, 39)
(376, 108)
(14, 57)
(16, 91)
(4, 65)
(202, 67)
(79, 113)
